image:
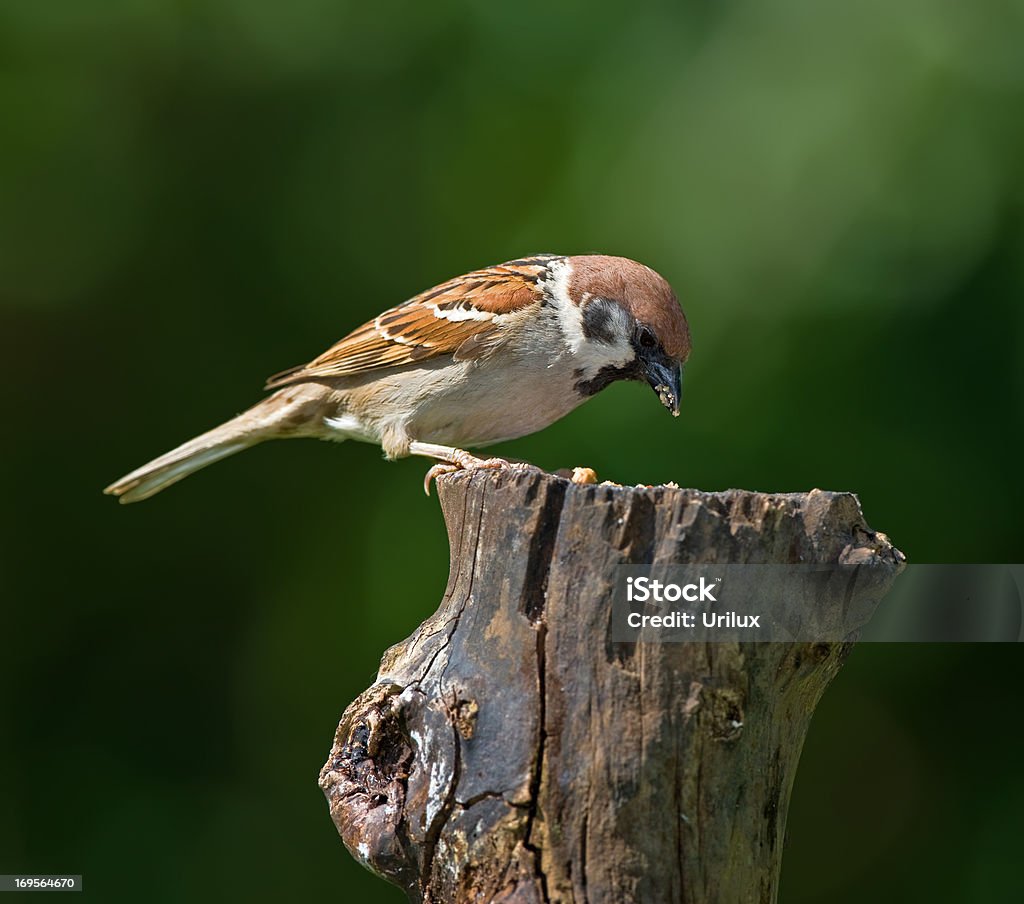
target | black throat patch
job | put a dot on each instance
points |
(606, 376)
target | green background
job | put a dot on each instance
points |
(194, 195)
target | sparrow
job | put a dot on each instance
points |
(489, 356)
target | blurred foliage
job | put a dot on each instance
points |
(194, 195)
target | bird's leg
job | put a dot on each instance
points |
(451, 459)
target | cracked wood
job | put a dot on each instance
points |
(510, 751)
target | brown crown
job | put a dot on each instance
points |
(641, 291)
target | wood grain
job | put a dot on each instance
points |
(510, 751)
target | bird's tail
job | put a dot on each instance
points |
(290, 412)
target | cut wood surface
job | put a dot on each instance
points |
(511, 751)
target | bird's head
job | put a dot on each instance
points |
(622, 321)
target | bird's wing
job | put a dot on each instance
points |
(462, 317)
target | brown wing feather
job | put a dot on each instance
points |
(461, 317)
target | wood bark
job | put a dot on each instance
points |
(511, 751)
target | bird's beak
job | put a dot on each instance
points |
(665, 376)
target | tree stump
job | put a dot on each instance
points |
(511, 751)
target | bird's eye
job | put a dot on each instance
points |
(645, 336)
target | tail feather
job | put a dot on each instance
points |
(285, 413)
(176, 465)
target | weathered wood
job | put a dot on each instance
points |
(510, 751)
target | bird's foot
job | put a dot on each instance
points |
(460, 460)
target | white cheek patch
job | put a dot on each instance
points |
(608, 347)
(594, 355)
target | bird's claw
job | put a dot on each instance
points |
(466, 462)
(435, 471)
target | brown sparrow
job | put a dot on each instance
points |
(485, 357)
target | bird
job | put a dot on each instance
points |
(492, 355)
